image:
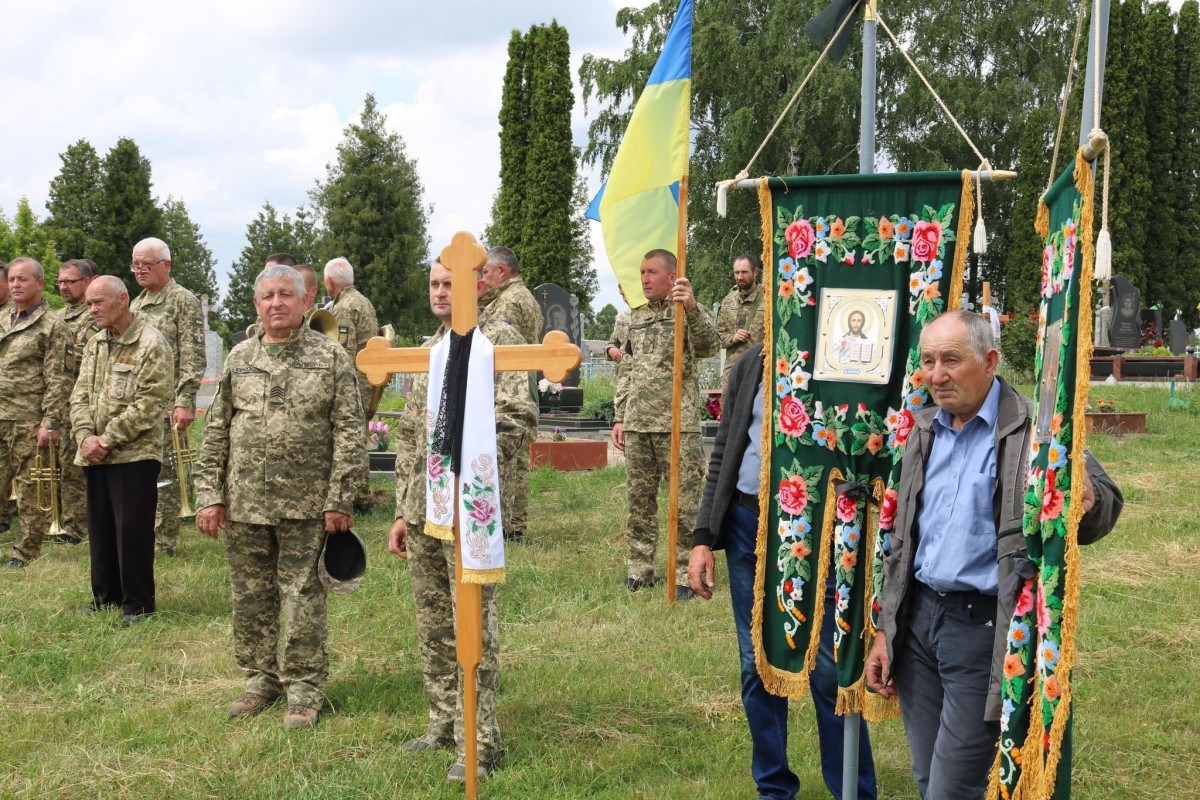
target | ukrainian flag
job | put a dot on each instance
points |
(638, 207)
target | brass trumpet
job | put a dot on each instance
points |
(47, 477)
(389, 333)
(185, 456)
(13, 495)
(321, 321)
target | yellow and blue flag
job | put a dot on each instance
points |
(638, 207)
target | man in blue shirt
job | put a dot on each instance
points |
(957, 537)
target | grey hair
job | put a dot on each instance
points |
(37, 267)
(339, 271)
(157, 245)
(979, 331)
(280, 272)
(111, 285)
(505, 257)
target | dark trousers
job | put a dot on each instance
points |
(121, 500)
(766, 713)
(942, 673)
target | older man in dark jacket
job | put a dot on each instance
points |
(957, 538)
(728, 520)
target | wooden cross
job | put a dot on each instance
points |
(555, 357)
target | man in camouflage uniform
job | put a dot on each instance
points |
(740, 320)
(175, 312)
(431, 561)
(282, 449)
(7, 505)
(124, 381)
(74, 277)
(34, 385)
(642, 425)
(311, 287)
(506, 298)
(356, 318)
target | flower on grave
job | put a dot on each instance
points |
(793, 495)
(558, 435)
(799, 236)
(926, 237)
(712, 406)
(380, 433)
(547, 386)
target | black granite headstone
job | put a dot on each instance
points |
(1179, 335)
(560, 312)
(1125, 330)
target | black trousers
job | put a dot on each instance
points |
(121, 499)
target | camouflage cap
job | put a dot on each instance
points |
(343, 562)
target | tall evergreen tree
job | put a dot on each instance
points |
(508, 216)
(127, 212)
(267, 233)
(1022, 286)
(1186, 166)
(75, 199)
(371, 209)
(192, 263)
(583, 281)
(1163, 281)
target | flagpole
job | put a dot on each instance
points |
(677, 393)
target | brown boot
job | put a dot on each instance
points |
(250, 704)
(300, 717)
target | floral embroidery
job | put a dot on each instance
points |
(798, 491)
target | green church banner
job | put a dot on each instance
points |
(857, 266)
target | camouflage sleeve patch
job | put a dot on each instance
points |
(199, 332)
(343, 334)
(69, 365)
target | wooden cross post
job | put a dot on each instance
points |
(555, 357)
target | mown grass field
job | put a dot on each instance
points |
(604, 695)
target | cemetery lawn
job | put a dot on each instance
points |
(604, 694)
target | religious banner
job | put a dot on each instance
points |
(1034, 759)
(859, 264)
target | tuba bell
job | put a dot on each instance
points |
(323, 321)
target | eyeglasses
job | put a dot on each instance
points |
(138, 266)
(65, 282)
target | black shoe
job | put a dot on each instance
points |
(69, 538)
(3, 527)
(684, 593)
(514, 536)
(633, 584)
(90, 608)
(14, 563)
(137, 618)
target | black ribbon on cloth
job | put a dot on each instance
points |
(452, 406)
(853, 489)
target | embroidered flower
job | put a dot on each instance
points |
(800, 551)
(917, 379)
(782, 387)
(904, 426)
(935, 269)
(785, 289)
(793, 417)
(1006, 712)
(926, 237)
(849, 257)
(782, 366)
(1057, 457)
(1043, 609)
(887, 512)
(785, 530)
(434, 467)
(1024, 599)
(793, 495)
(821, 251)
(843, 598)
(848, 560)
(822, 228)
(886, 229)
(1018, 635)
(1012, 666)
(900, 251)
(932, 291)
(874, 443)
(904, 228)
(1047, 654)
(915, 401)
(851, 534)
(847, 508)
(916, 282)
(1052, 500)
(811, 301)
(799, 236)
(800, 379)
(1050, 688)
(787, 268)
(837, 228)
(482, 510)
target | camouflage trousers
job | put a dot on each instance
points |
(166, 518)
(72, 497)
(273, 568)
(18, 446)
(647, 464)
(514, 485)
(431, 564)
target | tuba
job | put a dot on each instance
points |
(321, 321)
(46, 475)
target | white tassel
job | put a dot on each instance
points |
(1103, 269)
(722, 198)
(980, 237)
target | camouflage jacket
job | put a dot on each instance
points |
(516, 412)
(744, 312)
(34, 381)
(357, 323)
(284, 435)
(513, 303)
(80, 328)
(643, 399)
(620, 334)
(176, 313)
(124, 384)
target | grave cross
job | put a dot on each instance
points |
(555, 357)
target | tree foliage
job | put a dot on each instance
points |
(602, 326)
(508, 218)
(370, 207)
(1023, 278)
(127, 211)
(1186, 163)
(75, 200)
(267, 233)
(25, 236)
(192, 263)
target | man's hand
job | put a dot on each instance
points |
(618, 436)
(1089, 494)
(700, 571)
(396, 537)
(682, 293)
(337, 522)
(210, 519)
(94, 450)
(877, 667)
(46, 437)
(614, 354)
(182, 417)
(741, 335)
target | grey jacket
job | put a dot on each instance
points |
(737, 407)
(1008, 504)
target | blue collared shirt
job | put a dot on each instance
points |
(748, 473)
(956, 526)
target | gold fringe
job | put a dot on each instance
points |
(874, 708)
(850, 698)
(442, 532)
(483, 576)
(1041, 223)
(962, 243)
(879, 709)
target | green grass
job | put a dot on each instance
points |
(604, 695)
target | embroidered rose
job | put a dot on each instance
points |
(887, 514)
(1043, 610)
(793, 495)
(904, 426)
(926, 236)
(1052, 500)
(799, 236)
(435, 468)
(847, 508)
(482, 510)
(1024, 599)
(793, 417)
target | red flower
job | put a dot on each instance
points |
(1024, 599)
(887, 514)
(904, 426)
(800, 238)
(787, 587)
(1052, 499)
(926, 236)
(793, 416)
(793, 495)
(847, 508)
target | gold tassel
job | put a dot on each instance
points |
(966, 210)
(443, 533)
(483, 576)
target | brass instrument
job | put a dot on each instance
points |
(13, 496)
(321, 321)
(185, 456)
(389, 333)
(47, 477)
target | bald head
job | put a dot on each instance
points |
(108, 301)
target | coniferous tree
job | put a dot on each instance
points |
(1022, 286)
(127, 212)
(75, 197)
(508, 210)
(192, 262)
(26, 236)
(267, 233)
(1163, 281)
(584, 282)
(371, 209)
(1186, 165)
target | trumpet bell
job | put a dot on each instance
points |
(324, 322)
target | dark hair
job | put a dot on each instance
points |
(755, 264)
(285, 259)
(84, 266)
(502, 255)
(666, 255)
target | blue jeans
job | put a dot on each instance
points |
(766, 713)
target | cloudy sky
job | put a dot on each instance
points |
(237, 103)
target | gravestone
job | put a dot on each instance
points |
(1125, 330)
(214, 355)
(1179, 335)
(1152, 327)
(560, 312)
(1100, 325)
